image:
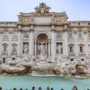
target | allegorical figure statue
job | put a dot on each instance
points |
(42, 55)
(58, 54)
(42, 51)
(25, 49)
(31, 18)
(59, 49)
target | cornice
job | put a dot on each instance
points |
(88, 26)
(8, 24)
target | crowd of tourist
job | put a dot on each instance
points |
(48, 88)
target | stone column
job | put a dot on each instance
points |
(65, 41)
(31, 42)
(48, 48)
(53, 43)
(1, 48)
(35, 49)
(19, 50)
(85, 40)
(76, 42)
(9, 50)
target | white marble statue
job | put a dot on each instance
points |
(58, 55)
(25, 49)
(42, 51)
(42, 55)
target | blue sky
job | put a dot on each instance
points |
(77, 10)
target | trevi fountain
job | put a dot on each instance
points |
(43, 65)
(44, 49)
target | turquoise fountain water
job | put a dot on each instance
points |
(56, 82)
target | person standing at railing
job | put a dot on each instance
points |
(0, 88)
(15, 89)
(74, 88)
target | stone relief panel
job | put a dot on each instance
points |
(59, 36)
(14, 49)
(24, 18)
(25, 34)
(60, 19)
(42, 19)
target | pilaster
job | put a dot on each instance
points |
(86, 41)
(31, 41)
(65, 41)
(9, 45)
(19, 51)
(53, 42)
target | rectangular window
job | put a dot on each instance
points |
(70, 33)
(81, 49)
(71, 48)
(4, 60)
(89, 34)
(5, 48)
(89, 48)
(5, 33)
(78, 23)
(14, 48)
(61, 50)
(14, 34)
(88, 23)
(80, 34)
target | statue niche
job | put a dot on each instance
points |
(59, 52)
(42, 46)
(25, 48)
(42, 55)
(59, 48)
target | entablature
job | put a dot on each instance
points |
(8, 24)
(80, 24)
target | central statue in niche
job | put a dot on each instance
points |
(42, 46)
(42, 55)
(42, 51)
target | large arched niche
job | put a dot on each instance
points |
(42, 40)
(43, 35)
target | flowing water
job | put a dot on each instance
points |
(55, 82)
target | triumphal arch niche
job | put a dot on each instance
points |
(44, 29)
(42, 45)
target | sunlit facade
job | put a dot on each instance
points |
(45, 31)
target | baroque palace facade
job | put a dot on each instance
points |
(46, 32)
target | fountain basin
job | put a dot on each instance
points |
(55, 82)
